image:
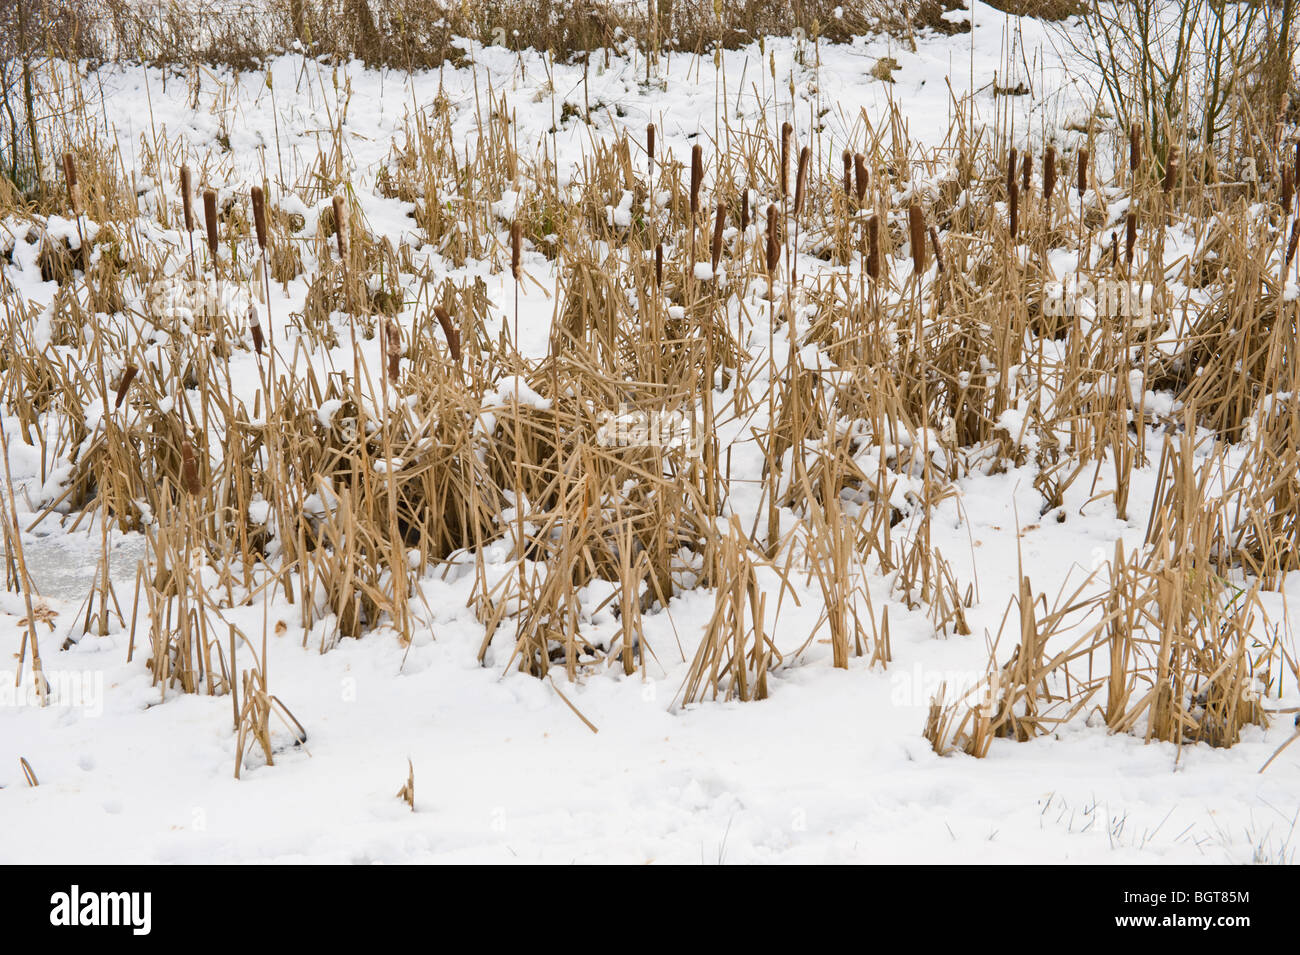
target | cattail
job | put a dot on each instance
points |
(848, 173)
(341, 226)
(1013, 205)
(719, 224)
(187, 198)
(1134, 148)
(74, 185)
(786, 130)
(516, 247)
(189, 468)
(210, 214)
(772, 245)
(801, 180)
(1083, 171)
(1026, 170)
(744, 209)
(873, 247)
(1290, 246)
(1288, 185)
(697, 176)
(1130, 237)
(255, 324)
(650, 144)
(1171, 171)
(449, 330)
(860, 175)
(1114, 250)
(393, 344)
(1011, 170)
(1049, 171)
(659, 265)
(938, 250)
(259, 216)
(128, 376)
(916, 229)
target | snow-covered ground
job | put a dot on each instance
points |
(832, 767)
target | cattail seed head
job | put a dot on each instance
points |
(74, 184)
(1026, 171)
(697, 176)
(341, 226)
(187, 198)
(916, 230)
(1171, 171)
(860, 175)
(1049, 171)
(128, 376)
(938, 251)
(1130, 237)
(801, 180)
(744, 209)
(1011, 170)
(650, 143)
(659, 265)
(786, 130)
(1134, 147)
(449, 330)
(189, 468)
(210, 217)
(1288, 187)
(719, 224)
(255, 325)
(1083, 171)
(1291, 246)
(773, 246)
(873, 247)
(393, 346)
(1013, 207)
(516, 247)
(259, 216)
(848, 173)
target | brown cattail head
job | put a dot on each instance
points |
(1134, 147)
(1026, 171)
(341, 226)
(650, 143)
(744, 209)
(393, 346)
(1171, 171)
(74, 185)
(786, 130)
(1130, 237)
(719, 224)
(516, 247)
(659, 265)
(848, 173)
(187, 198)
(697, 176)
(1288, 187)
(128, 376)
(259, 216)
(1083, 170)
(873, 247)
(189, 468)
(1049, 171)
(773, 246)
(210, 217)
(1013, 206)
(860, 175)
(916, 235)
(1011, 170)
(801, 180)
(1291, 246)
(255, 324)
(449, 330)
(938, 251)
